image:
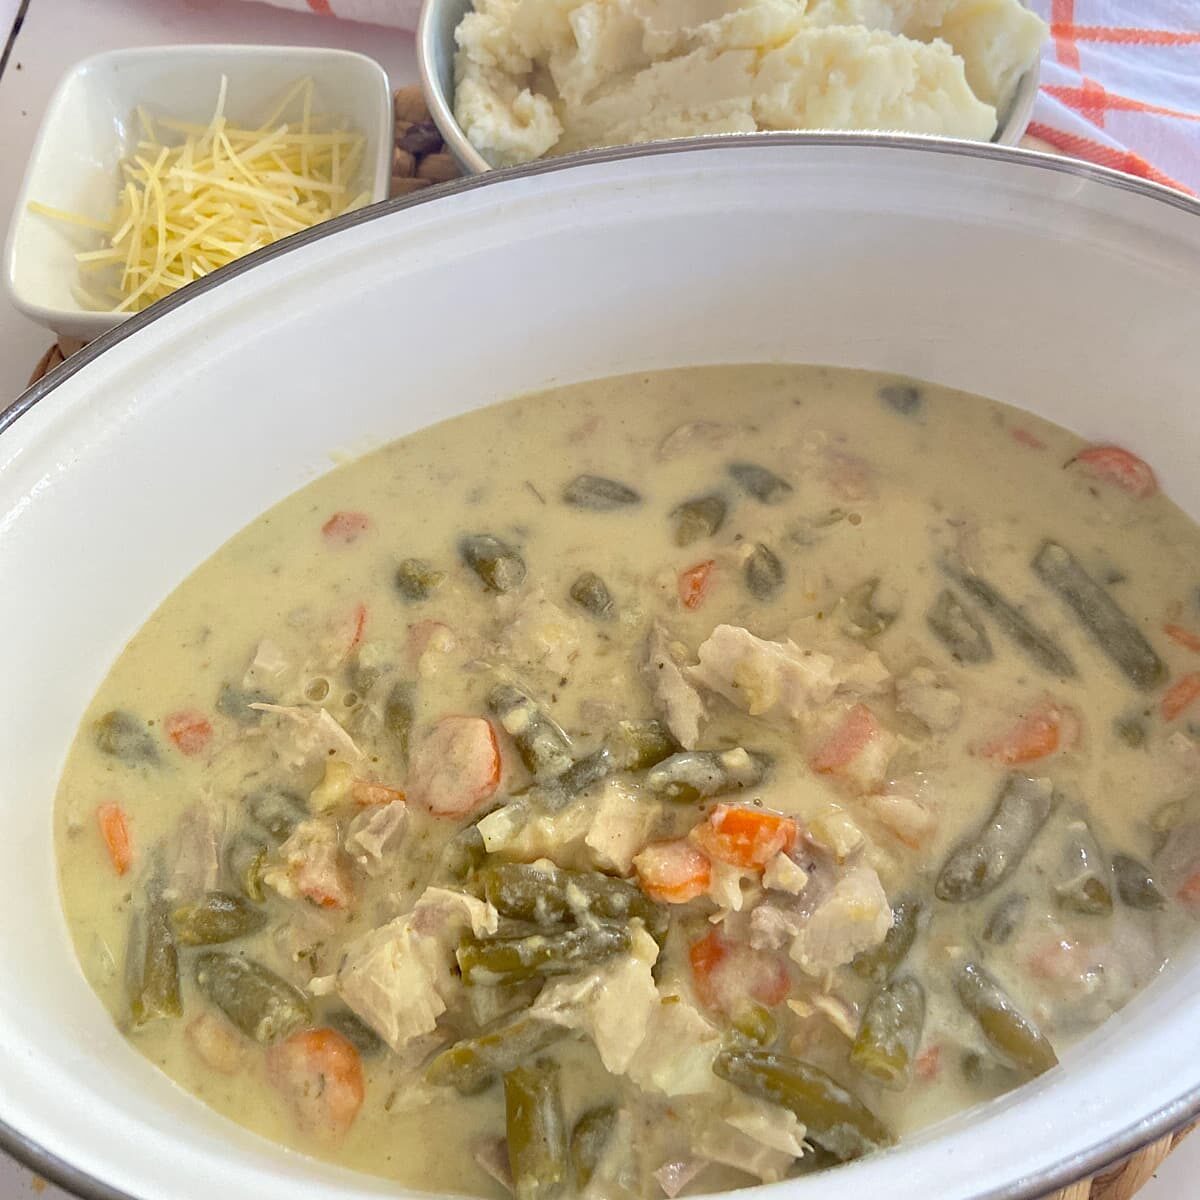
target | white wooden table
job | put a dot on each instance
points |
(57, 33)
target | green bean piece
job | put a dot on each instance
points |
(1131, 730)
(640, 745)
(834, 1118)
(152, 967)
(1005, 918)
(544, 748)
(987, 858)
(986, 1072)
(763, 572)
(863, 615)
(591, 593)
(542, 955)
(599, 494)
(696, 774)
(535, 1129)
(904, 398)
(234, 702)
(958, 629)
(356, 1031)
(1038, 646)
(474, 1064)
(261, 1004)
(584, 772)
(763, 485)
(122, 735)
(890, 1033)
(1083, 885)
(589, 1140)
(1010, 1034)
(550, 896)
(499, 567)
(755, 1024)
(219, 917)
(1135, 884)
(276, 810)
(399, 716)
(417, 580)
(699, 518)
(879, 964)
(245, 860)
(1100, 616)
(464, 853)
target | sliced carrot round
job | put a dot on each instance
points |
(726, 973)
(1044, 730)
(114, 829)
(1180, 696)
(694, 584)
(190, 731)
(321, 1075)
(455, 766)
(345, 527)
(744, 837)
(1183, 637)
(857, 729)
(673, 872)
(1121, 468)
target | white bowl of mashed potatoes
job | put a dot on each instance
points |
(510, 81)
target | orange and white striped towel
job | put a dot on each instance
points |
(1120, 79)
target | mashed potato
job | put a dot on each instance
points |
(540, 76)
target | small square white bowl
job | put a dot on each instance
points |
(90, 125)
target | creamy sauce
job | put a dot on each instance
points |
(917, 486)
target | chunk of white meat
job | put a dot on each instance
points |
(693, 436)
(612, 1005)
(835, 832)
(768, 1124)
(441, 911)
(196, 868)
(677, 1053)
(491, 1156)
(374, 836)
(216, 1043)
(773, 927)
(303, 942)
(310, 866)
(674, 696)
(923, 694)
(854, 917)
(621, 825)
(784, 874)
(903, 815)
(674, 1176)
(520, 834)
(721, 1142)
(267, 668)
(335, 789)
(540, 635)
(725, 887)
(312, 736)
(840, 1014)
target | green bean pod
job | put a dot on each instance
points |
(589, 1140)
(763, 572)
(591, 593)
(985, 859)
(1009, 1033)
(474, 1064)
(1136, 885)
(1037, 645)
(400, 715)
(758, 482)
(699, 518)
(639, 745)
(879, 964)
(245, 860)
(219, 917)
(499, 567)
(697, 774)
(1005, 919)
(543, 954)
(416, 580)
(121, 735)
(890, 1033)
(904, 398)
(152, 967)
(464, 854)
(544, 748)
(599, 494)
(754, 1024)
(261, 1004)
(833, 1117)
(1100, 616)
(234, 702)
(535, 1129)
(1083, 884)
(958, 629)
(862, 615)
(276, 810)
(356, 1031)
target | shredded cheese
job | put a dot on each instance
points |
(215, 193)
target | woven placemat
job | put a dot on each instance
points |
(419, 160)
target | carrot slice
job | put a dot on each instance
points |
(1188, 892)
(1183, 637)
(725, 973)
(694, 584)
(114, 829)
(321, 1075)
(190, 731)
(927, 1064)
(1044, 730)
(1121, 468)
(455, 766)
(1180, 696)
(1025, 438)
(857, 729)
(345, 527)
(744, 837)
(673, 872)
(368, 794)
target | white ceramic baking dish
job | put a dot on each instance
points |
(1047, 284)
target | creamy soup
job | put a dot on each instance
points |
(652, 786)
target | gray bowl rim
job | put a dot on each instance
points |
(1082, 1165)
(1012, 126)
